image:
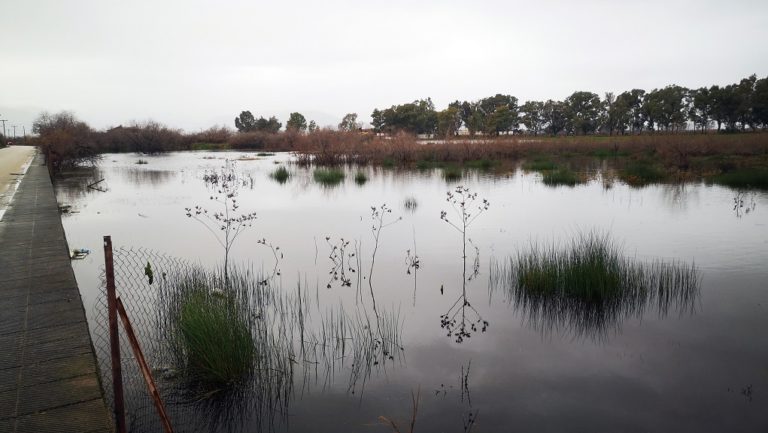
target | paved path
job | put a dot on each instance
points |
(12, 161)
(48, 377)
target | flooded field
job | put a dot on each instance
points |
(390, 293)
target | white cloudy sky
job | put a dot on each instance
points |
(195, 63)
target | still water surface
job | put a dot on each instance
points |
(705, 370)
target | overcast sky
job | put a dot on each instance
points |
(193, 63)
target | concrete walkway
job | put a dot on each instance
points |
(48, 377)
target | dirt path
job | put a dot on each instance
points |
(13, 160)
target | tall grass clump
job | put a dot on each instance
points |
(538, 164)
(480, 164)
(281, 174)
(328, 176)
(744, 178)
(561, 176)
(641, 173)
(452, 173)
(588, 286)
(360, 178)
(215, 337)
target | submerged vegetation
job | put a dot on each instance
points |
(360, 178)
(214, 335)
(748, 178)
(281, 174)
(639, 173)
(589, 286)
(561, 176)
(328, 177)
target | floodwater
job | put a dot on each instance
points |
(704, 369)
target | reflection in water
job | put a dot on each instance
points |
(145, 177)
(462, 319)
(679, 196)
(743, 203)
(72, 185)
(588, 288)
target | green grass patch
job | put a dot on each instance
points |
(215, 337)
(480, 164)
(539, 165)
(561, 176)
(426, 164)
(281, 174)
(388, 163)
(588, 286)
(360, 178)
(756, 178)
(265, 154)
(452, 173)
(328, 176)
(640, 173)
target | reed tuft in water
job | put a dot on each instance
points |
(360, 178)
(215, 337)
(561, 176)
(281, 174)
(328, 176)
(589, 286)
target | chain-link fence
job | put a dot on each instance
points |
(140, 280)
(295, 343)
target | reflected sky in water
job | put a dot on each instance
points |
(674, 372)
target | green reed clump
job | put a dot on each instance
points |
(281, 174)
(452, 173)
(589, 286)
(360, 178)
(538, 164)
(142, 162)
(215, 337)
(640, 173)
(480, 164)
(744, 178)
(561, 176)
(328, 176)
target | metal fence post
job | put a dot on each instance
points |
(114, 337)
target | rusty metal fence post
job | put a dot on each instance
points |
(114, 337)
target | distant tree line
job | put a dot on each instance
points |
(735, 107)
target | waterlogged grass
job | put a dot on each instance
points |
(281, 174)
(639, 173)
(481, 164)
(561, 176)
(539, 165)
(744, 178)
(328, 176)
(452, 173)
(360, 178)
(215, 337)
(589, 287)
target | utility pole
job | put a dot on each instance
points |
(3, 120)
(14, 131)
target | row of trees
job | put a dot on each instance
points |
(738, 106)
(246, 122)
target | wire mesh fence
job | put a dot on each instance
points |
(296, 345)
(141, 278)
